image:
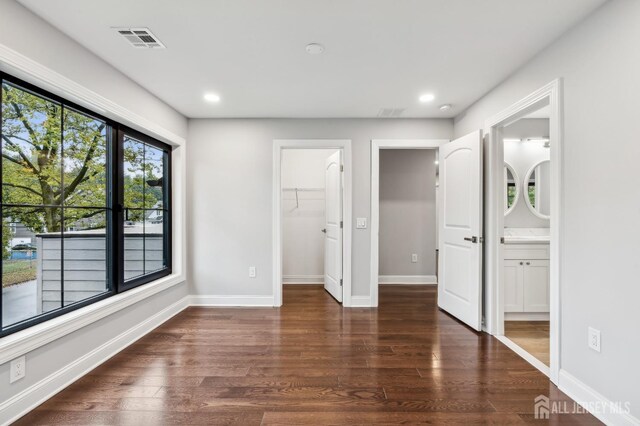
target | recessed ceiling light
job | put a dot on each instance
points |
(436, 162)
(427, 97)
(445, 107)
(211, 97)
(314, 48)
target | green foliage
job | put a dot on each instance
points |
(6, 239)
(54, 156)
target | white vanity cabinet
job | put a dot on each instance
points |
(526, 277)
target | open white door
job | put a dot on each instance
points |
(460, 217)
(333, 226)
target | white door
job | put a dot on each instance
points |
(333, 226)
(460, 216)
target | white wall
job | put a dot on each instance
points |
(230, 193)
(302, 241)
(407, 211)
(28, 35)
(522, 156)
(599, 62)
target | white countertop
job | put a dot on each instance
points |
(542, 239)
(526, 236)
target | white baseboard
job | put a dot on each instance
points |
(407, 279)
(303, 279)
(360, 302)
(25, 401)
(526, 316)
(225, 300)
(600, 407)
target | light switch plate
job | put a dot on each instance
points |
(17, 369)
(361, 223)
(414, 258)
(252, 271)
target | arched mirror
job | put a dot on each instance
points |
(537, 185)
(511, 189)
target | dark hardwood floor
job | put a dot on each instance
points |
(310, 362)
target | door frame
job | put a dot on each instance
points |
(494, 226)
(278, 146)
(376, 146)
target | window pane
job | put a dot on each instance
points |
(31, 148)
(154, 177)
(134, 185)
(134, 246)
(85, 254)
(153, 241)
(85, 160)
(145, 215)
(30, 262)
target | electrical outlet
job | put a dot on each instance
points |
(252, 271)
(414, 258)
(594, 339)
(18, 369)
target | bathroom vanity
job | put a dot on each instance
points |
(526, 274)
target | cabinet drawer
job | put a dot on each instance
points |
(526, 251)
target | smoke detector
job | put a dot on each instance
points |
(141, 38)
(314, 48)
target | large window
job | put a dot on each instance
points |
(85, 206)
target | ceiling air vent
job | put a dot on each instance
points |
(390, 112)
(140, 38)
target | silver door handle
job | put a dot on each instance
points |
(474, 240)
(324, 230)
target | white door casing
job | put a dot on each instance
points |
(460, 217)
(333, 226)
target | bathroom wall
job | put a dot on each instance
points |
(302, 241)
(521, 156)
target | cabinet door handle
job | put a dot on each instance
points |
(522, 263)
(528, 263)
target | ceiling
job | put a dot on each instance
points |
(378, 53)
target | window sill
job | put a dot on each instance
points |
(22, 342)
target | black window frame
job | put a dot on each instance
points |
(116, 283)
(124, 285)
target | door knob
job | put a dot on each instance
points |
(473, 239)
(324, 230)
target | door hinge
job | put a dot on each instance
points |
(340, 282)
(341, 168)
(501, 240)
(341, 224)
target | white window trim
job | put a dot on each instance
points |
(27, 340)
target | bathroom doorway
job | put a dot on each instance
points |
(523, 212)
